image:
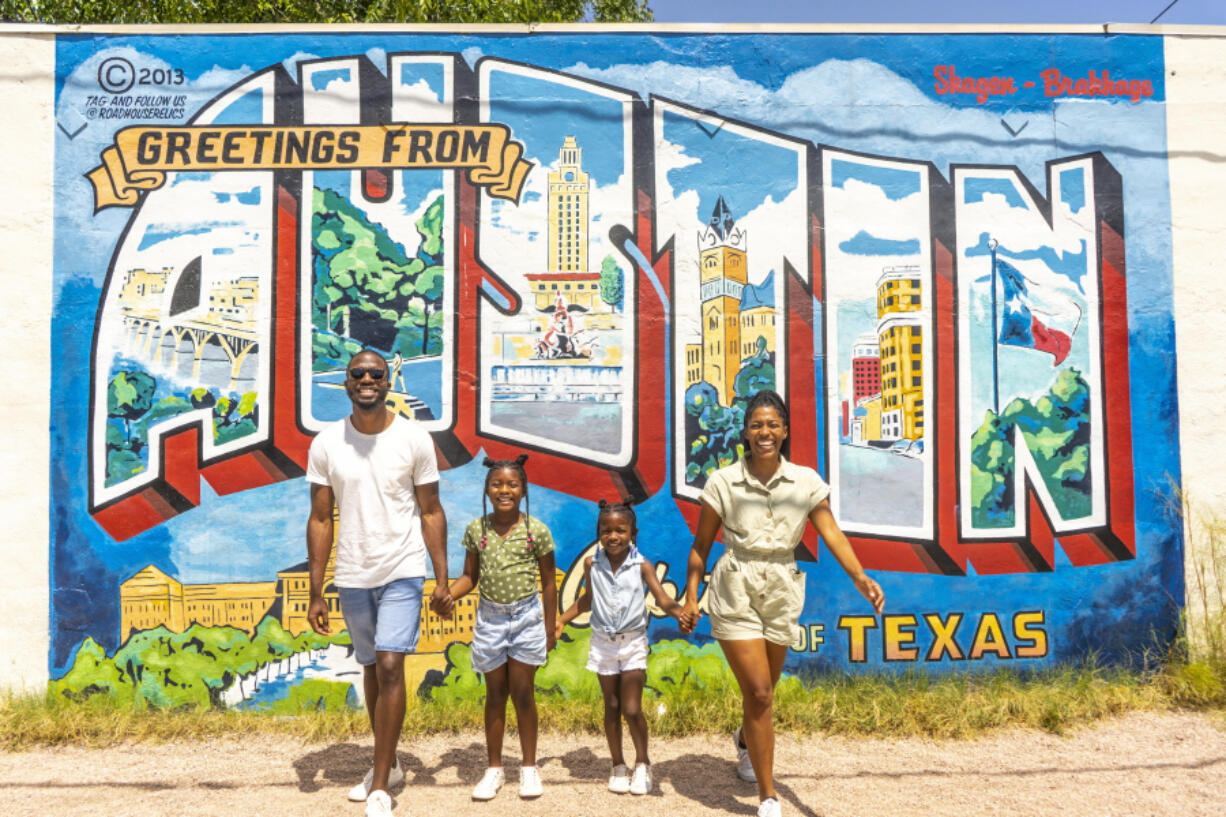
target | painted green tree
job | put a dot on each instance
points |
(612, 283)
(367, 288)
(1056, 429)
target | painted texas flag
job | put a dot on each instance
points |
(1045, 322)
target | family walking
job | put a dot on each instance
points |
(380, 472)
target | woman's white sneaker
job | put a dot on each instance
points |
(489, 784)
(394, 778)
(619, 779)
(769, 808)
(744, 766)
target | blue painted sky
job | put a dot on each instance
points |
(542, 114)
(412, 73)
(895, 182)
(745, 171)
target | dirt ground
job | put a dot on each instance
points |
(1141, 764)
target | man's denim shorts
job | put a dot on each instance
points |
(502, 631)
(384, 619)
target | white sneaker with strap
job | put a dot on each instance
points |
(744, 766)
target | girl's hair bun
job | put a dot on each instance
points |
(521, 459)
(489, 462)
(602, 503)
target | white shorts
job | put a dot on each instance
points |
(614, 654)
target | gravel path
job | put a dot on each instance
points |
(1141, 764)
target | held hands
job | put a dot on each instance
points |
(688, 615)
(551, 637)
(871, 591)
(317, 616)
(441, 601)
(557, 630)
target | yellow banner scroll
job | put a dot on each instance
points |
(141, 156)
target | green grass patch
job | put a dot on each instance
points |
(867, 705)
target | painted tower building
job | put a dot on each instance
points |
(568, 213)
(900, 337)
(865, 368)
(724, 272)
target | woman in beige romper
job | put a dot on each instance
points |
(756, 592)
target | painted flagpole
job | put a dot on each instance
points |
(992, 245)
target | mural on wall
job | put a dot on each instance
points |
(951, 254)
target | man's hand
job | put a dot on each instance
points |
(317, 616)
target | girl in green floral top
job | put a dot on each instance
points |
(511, 555)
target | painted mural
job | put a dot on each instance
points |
(950, 253)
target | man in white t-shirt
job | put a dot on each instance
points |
(380, 471)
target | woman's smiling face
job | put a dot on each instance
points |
(765, 431)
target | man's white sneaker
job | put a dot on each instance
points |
(641, 784)
(394, 778)
(379, 804)
(489, 785)
(529, 782)
(619, 779)
(744, 766)
(769, 808)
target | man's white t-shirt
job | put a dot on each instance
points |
(373, 477)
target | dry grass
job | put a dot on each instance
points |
(882, 706)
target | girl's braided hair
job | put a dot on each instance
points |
(626, 508)
(494, 466)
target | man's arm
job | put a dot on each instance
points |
(434, 531)
(319, 547)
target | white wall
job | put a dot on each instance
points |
(1196, 140)
(27, 73)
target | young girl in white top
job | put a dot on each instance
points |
(613, 581)
(510, 554)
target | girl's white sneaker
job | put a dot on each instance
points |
(529, 782)
(489, 785)
(619, 779)
(641, 784)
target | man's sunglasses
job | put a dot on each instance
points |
(375, 374)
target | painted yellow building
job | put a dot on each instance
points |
(142, 290)
(295, 591)
(723, 274)
(150, 599)
(866, 420)
(231, 604)
(234, 301)
(567, 230)
(900, 339)
(579, 288)
(693, 363)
